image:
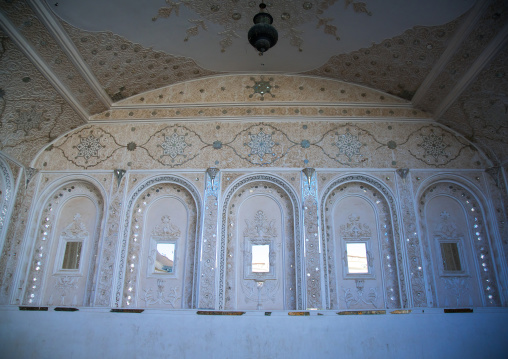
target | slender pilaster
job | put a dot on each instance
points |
(208, 254)
(410, 234)
(112, 240)
(312, 239)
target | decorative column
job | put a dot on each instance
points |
(14, 241)
(105, 279)
(208, 255)
(411, 236)
(312, 239)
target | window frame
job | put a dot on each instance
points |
(370, 259)
(464, 271)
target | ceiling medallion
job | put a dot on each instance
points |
(263, 35)
(262, 87)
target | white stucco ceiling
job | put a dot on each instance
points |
(134, 20)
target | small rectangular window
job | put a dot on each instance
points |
(165, 257)
(72, 255)
(357, 258)
(451, 257)
(261, 258)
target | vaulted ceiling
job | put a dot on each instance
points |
(447, 58)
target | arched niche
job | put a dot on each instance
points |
(260, 254)
(62, 269)
(162, 245)
(457, 247)
(362, 249)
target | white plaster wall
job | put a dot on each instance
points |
(184, 334)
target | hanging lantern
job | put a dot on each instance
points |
(263, 35)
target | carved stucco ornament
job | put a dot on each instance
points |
(354, 229)
(236, 17)
(262, 87)
(166, 229)
(119, 173)
(309, 172)
(29, 174)
(212, 173)
(403, 172)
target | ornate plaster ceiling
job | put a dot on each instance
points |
(214, 33)
(101, 57)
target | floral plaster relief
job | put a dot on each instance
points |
(265, 144)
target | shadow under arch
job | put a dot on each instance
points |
(288, 191)
(487, 262)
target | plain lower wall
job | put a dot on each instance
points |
(91, 333)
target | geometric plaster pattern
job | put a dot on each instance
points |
(12, 247)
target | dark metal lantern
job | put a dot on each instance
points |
(263, 35)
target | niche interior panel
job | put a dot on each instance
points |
(360, 248)
(260, 258)
(162, 244)
(64, 261)
(458, 248)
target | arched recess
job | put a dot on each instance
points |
(64, 256)
(6, 199)
(457, 246)
(362, 248)
(260, 215)
(162, 227)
